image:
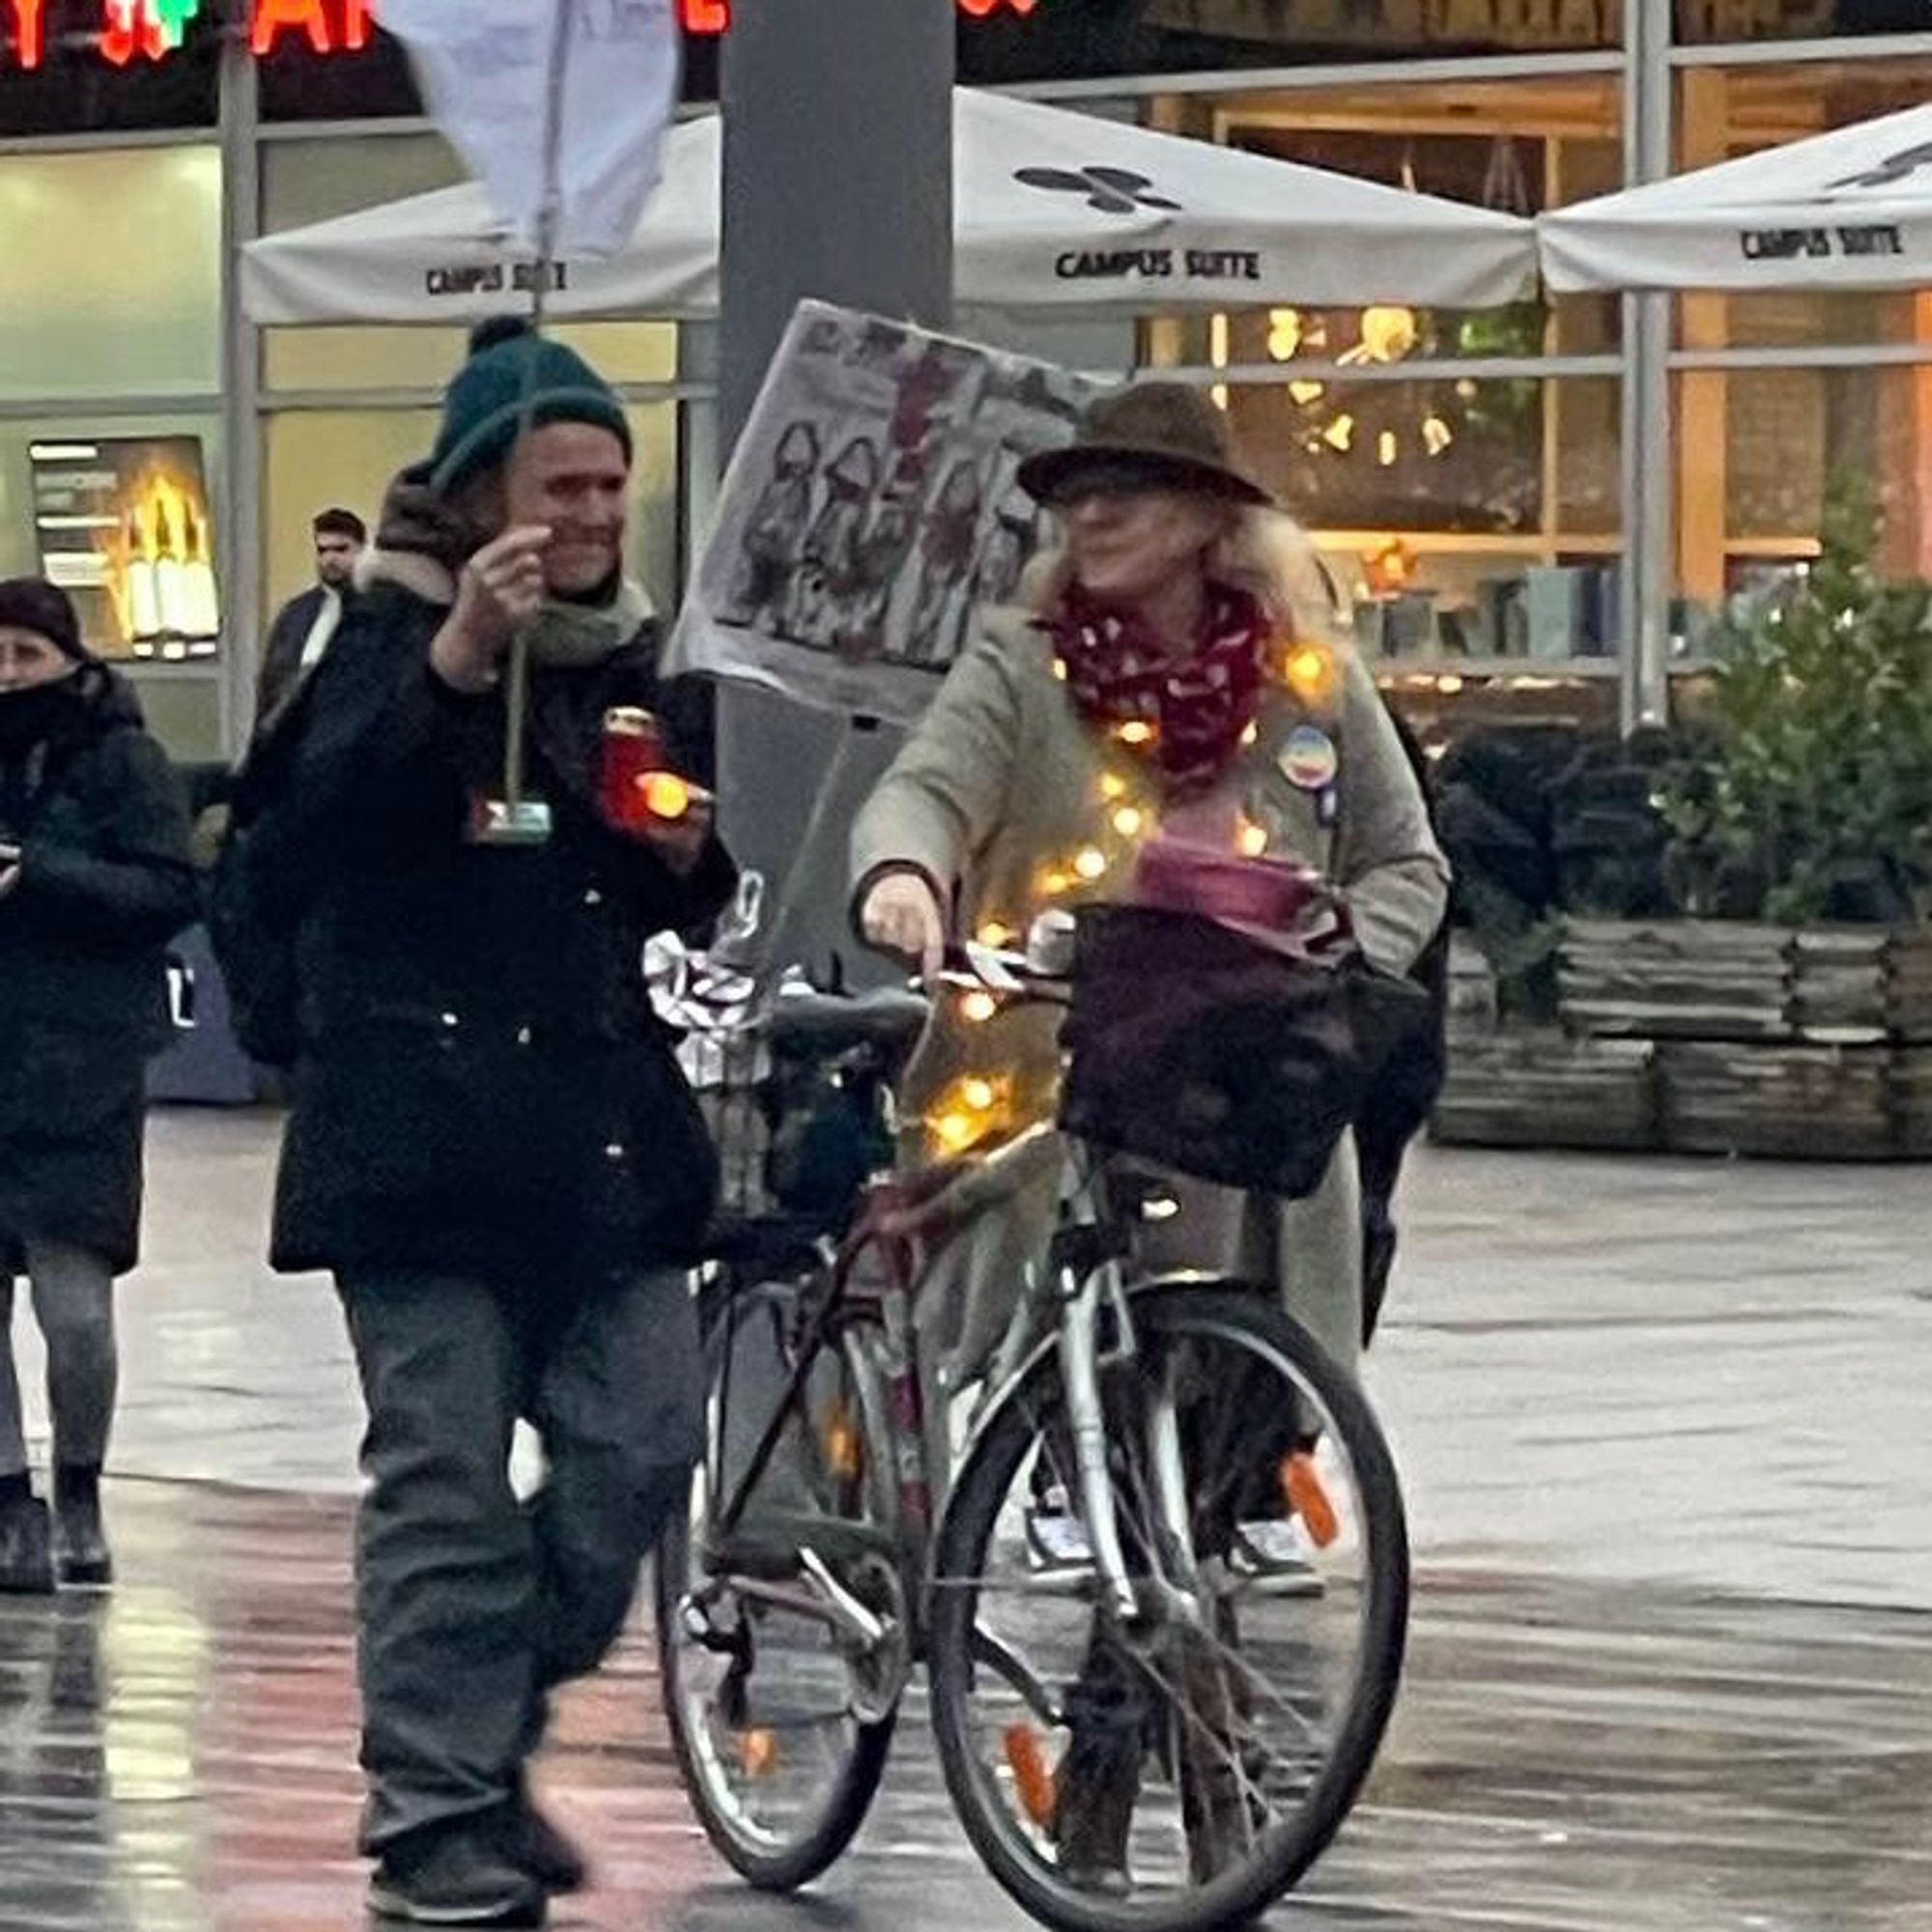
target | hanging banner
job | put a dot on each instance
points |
(871, 506)
(501, 75)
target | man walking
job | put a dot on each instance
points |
(491, 1145)
(306, 625)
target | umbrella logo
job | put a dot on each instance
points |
(1110, 190)
(1895, 168)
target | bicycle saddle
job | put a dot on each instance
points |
(827, 1024)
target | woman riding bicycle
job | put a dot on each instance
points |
(1172, 672)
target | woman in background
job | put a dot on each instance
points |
(95, 880)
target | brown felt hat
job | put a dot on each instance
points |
(1151, 434)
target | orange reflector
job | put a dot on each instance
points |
(1032, 1778)
(1308, 1497)
(844, 1453)
(758, 1751)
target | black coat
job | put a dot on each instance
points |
(104, 883)
(482, 1084)
(281, 655)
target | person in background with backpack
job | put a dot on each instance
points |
(491, 1145)
(95, 880)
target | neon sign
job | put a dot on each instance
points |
(150, 30)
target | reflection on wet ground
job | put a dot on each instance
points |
(179, 1757)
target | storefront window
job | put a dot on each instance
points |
(67, 85)
(1065, 39)
(113, 273)
(1470, 522)
(1763, 451)
(1759, 449)
(1700, 22)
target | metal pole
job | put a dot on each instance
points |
(1649, 478)
(839, 185)
(239, 523)
(517, 689)
(838, 171)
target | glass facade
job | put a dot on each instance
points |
(1470, 476)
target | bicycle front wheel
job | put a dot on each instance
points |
(1176, 1766)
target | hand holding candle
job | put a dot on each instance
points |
(641, 796)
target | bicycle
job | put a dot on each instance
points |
(1147, 1733)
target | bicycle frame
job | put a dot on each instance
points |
(890, 1310)
(1085, 1274)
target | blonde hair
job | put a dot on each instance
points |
(1263, 551)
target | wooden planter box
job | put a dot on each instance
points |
(1706, 1038)
(1737, 981)
(1780, 1100)
(1522, 1088)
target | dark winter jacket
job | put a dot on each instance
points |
(281, 656)
(482, 1085)
(104, 884)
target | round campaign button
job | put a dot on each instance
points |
(1309, 761)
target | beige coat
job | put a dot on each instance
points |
(1004, 791)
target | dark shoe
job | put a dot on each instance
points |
(81, 1541)
(26, 1563)
(1097, 1789)
(455, 1877)
(542, 1848)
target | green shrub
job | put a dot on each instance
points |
(1812, 798)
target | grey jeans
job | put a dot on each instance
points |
(74, 1302)
(470, 1605)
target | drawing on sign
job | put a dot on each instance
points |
(872, 505)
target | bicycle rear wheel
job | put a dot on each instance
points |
(781, 1721)
(1178, 1769)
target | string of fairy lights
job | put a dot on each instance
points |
(984, 1105)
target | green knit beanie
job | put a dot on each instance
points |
(485, 406)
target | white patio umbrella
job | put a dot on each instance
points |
(1847, 209)
(1054, 209)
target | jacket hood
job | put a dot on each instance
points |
(421, 541)
(112, 698)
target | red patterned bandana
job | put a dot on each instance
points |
(1195, 707)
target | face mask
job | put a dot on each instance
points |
(30, 716)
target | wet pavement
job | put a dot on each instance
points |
(1664, 1428)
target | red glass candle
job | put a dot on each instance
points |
(633, 755)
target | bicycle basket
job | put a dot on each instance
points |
(1193, 1046)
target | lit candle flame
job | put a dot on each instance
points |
(1135, 731)
(1090, 863)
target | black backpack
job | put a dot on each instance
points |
(254, 937)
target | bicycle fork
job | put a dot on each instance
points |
(1081, 1302)
(1170, 1566)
